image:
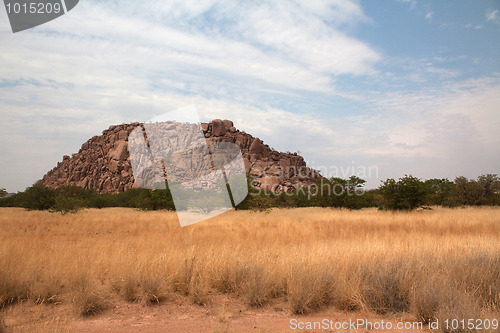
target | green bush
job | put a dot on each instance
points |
(483, 191)
(65, 205)
(140, 198)
(15, 200)
(38, 197)
(71, 198)
(405, 194)
(102, 200)
(261, 202)
(337, 192)
(439, 191)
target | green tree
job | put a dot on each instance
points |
(162, 199)
(38, 197)
(73, 191)
(355, 196)
(407, 193)
(490, 184)
(440, 191)
(483, 191)
(97, 200)
(260, 202)
(3, 192)
(467, 192)
(71, 198)
(354, 184)
(337, 191)
(143, 200)
(349, 193)
(147, 199)
(250, 202)
(65, 205)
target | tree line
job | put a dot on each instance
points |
(406, 193)
(72, 198)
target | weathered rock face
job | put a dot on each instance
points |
(103, 162)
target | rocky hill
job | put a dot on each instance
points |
(103, 162)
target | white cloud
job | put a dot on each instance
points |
(491, 15)
(481, 108)
(444, 132)
(412, 3)
(283, 45)
(444, 73)
(429, 15)
(470, 26)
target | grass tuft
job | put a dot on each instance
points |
(126, 287)
(151, 286)
(257, 286)
(310, 288)
(199, 289)
(86, 299)
(383, 288)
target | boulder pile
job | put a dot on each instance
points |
(103, 162)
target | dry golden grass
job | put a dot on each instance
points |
(441, 263)
(2, 325)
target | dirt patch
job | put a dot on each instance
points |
(177, 314)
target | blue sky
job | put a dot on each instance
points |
(405, 86)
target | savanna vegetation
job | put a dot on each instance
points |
(407, 193)
(431, 264)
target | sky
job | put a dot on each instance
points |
(378, 89)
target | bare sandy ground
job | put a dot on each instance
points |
(179, 314)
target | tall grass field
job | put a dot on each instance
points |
(430, 264)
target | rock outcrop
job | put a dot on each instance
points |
(103, 162)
